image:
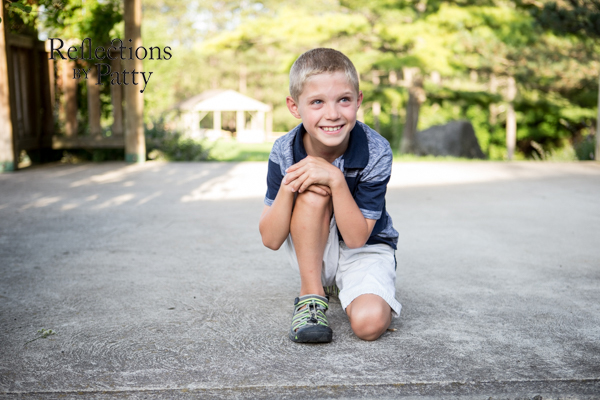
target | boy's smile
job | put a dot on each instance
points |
(327, 106)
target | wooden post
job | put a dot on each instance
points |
(52, 82)
(135, 144)
(511, 118)
(597, 153)
(69, 103)
(8, 160)
(93, 95)
(116, 95)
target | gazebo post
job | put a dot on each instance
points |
(240, 121)
(217, 120)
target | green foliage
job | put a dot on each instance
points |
(549, 49)
(578, 17)
(75, 19)
(168, 145)
(585, 148)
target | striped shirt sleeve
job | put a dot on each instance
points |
(372, 186)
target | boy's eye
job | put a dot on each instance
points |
(345, 99)
(316, 102)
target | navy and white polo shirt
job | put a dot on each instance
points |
(366, 164)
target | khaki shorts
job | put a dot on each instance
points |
(370, 269)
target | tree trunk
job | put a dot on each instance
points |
(416, 96)
(376, 113)
(511, 118)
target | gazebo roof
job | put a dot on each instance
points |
(222, 100)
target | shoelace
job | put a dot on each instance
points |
(312, 313)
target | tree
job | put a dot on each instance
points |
(579, 18)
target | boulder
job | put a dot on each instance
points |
(456, 138)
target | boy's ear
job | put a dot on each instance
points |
(292, 106)
(359, 100)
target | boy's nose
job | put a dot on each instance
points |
(332, 112)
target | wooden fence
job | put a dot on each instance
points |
(40, 125)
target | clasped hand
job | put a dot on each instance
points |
(312, 173)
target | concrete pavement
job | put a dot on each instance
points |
(150, 281)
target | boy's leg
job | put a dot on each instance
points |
(309, 229)
(369, 315)
(367, 280)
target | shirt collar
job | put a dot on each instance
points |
(356, 155)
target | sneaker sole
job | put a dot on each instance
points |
(317, 334)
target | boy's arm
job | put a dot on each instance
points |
(353, 226)
(274, 225)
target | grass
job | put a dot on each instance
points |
(230, 150)
(414, 158)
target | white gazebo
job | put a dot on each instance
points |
(194, 109)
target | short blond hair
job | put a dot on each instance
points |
(319, 61)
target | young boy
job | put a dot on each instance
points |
(325, 199)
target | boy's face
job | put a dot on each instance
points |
(327, 106)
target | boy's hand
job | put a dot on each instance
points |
(320, 189)
(312, 171)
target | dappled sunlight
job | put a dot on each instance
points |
(68, 171)
(113, 176)
(439, 174)
(194, 177)
(69, 206)
(42, 202)
(148, 198)
(98, 188)
(116, 201)
(245, 180)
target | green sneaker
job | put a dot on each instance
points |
(332, 290)
(309, 323)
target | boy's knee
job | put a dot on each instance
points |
(313, 200)
(369, 323)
